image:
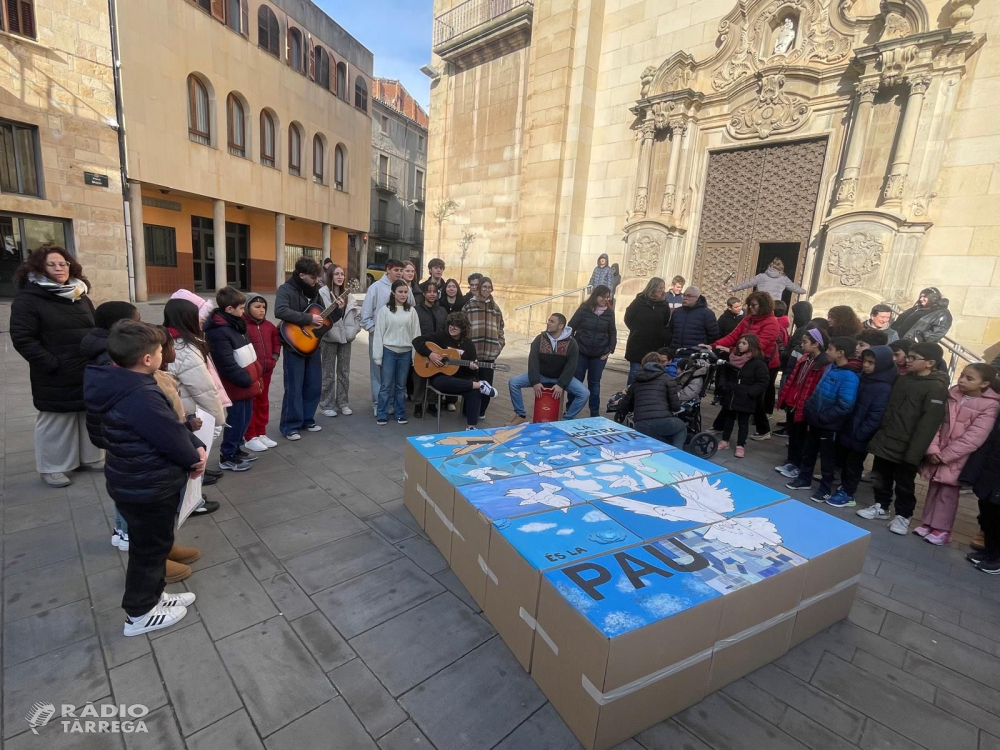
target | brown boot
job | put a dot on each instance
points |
(978, 542)
(177, 572)
(186, 555)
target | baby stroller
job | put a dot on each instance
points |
(698, 371)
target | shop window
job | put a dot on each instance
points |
(161, 245)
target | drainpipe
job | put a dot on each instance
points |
(116, 65)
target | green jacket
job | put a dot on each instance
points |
(913, 415)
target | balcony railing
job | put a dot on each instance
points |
(419, 194)
(386, 183)
(469, 15)
(417, 236)
(387, 229)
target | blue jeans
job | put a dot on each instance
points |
(238, 418)
(374, 371)
(303, 389)
(120, 523)
(578, 394)
(395, 365)
(593, 369)
(665, 429)
(633, 370)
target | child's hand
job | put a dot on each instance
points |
(199, 468)
(194, 423)
(934, 458)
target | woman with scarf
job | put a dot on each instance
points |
(486, 332)
(49, 318)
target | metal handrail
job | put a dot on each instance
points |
(469, 15)
(530, 305)
(957, 350)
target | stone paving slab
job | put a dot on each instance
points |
(291, 645)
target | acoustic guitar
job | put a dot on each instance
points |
(423, 366)
(305, 339)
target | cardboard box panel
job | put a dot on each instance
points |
(684, 505)
(519, 495)
(470, 548)
(413, 499)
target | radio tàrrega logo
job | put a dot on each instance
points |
(40, 715)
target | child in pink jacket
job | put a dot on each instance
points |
(972, 411)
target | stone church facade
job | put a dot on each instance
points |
(856, 140)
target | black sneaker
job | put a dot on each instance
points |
(209, 479)
(418, 411)
(975, 557)
(432, 410)
(233, 464)
(401, 420)
(206, 508)
(799, 483)
(821, 495)
(212, 473)
(242, 455)
(990, 567)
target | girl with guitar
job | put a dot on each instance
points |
(455, 336)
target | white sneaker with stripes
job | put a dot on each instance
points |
(157, 618)
(185, 599)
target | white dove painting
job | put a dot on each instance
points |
(549, 495)
(487, 474)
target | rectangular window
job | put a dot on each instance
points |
(19, 159)
(385, 124)
(420, 144)
(18, 17)
(294, 252)
(161, 245)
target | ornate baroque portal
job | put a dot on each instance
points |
(812, 125)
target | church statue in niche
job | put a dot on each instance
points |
(785, 38)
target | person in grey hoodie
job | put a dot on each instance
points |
(880, 319)
(376, 298)
(602, 275)
(773, 281)
(551, 361)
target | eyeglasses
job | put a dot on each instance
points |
(911, 358)
(57, 265)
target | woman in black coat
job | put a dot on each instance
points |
(49, 318)
(593, 326)
(646, 319)
(747, 377)
(653, 401)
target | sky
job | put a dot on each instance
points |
(398, 33)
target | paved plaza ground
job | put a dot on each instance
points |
(325, 618)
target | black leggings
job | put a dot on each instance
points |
(729, 418)
(989, 521)
(461, 387)
(760, 414)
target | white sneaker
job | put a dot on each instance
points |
(293, 436)
(120, 540)
(56, 479)
(873, 513)
(176, 600)
(267, 441)
(899, 525)
(314, 428)
(329, 412)
(452, 407)
(346, 411)
(487, 390)
(256, 445)
(157, 618)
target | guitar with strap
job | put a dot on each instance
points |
(451, 362)
(304, 339)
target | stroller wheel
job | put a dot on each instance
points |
(703, 445)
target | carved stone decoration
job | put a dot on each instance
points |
(641, 202)
(854, 256)
(644, 256)
(786, 37)
(774, 111)
(894, 184)
(961, 12)
(895, 62)
(740, 64)
(896, 27)
(646, 80)
(867, 90)
(921, 202)
(667, 206)
(847, 191)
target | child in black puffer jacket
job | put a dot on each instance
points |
(982, 471)
(743, 384)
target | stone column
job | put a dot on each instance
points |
(279, 250)
(647, 130)
(896, 181)
(219, 238)
(677, 129)
(327, 234)
(138, 240)
(847, 190)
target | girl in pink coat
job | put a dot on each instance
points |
(972, 411)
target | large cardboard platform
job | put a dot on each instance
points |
(629, 578)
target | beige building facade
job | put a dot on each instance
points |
(60, 170)
(855, 140)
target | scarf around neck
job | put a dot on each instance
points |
(73, 290)
(738, 360)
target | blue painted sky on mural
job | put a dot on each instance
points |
(398, 33)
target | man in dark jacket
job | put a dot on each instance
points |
(432, 319)
(982, 471)
(551, 361)
(928, 320)
(150, 456)
(646, 319)
(692, 324)
(653, 401)
(303, 375)
(916, 408)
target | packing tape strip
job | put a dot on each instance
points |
(405, 475)
(489, 573)
(533, 624)
(603, 699)
(440, 513)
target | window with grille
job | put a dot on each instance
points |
(199, 117)
(161, 245)
(294, 150)
(18, 17)
(19, 171)
(338, 167)
(360, 94)
(267, 138)
(319, 158)
(268, 31)
(236, 126)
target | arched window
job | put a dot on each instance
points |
(338, 167)
(319, 158)
(236, 126)
(267, 138)
(322, 67)
(295, 48)
(342, 81)
(268, 31)
(199, 112)
(294, 150)
(360, 94)
(237, 16)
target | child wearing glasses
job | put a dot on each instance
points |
(913, 415)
